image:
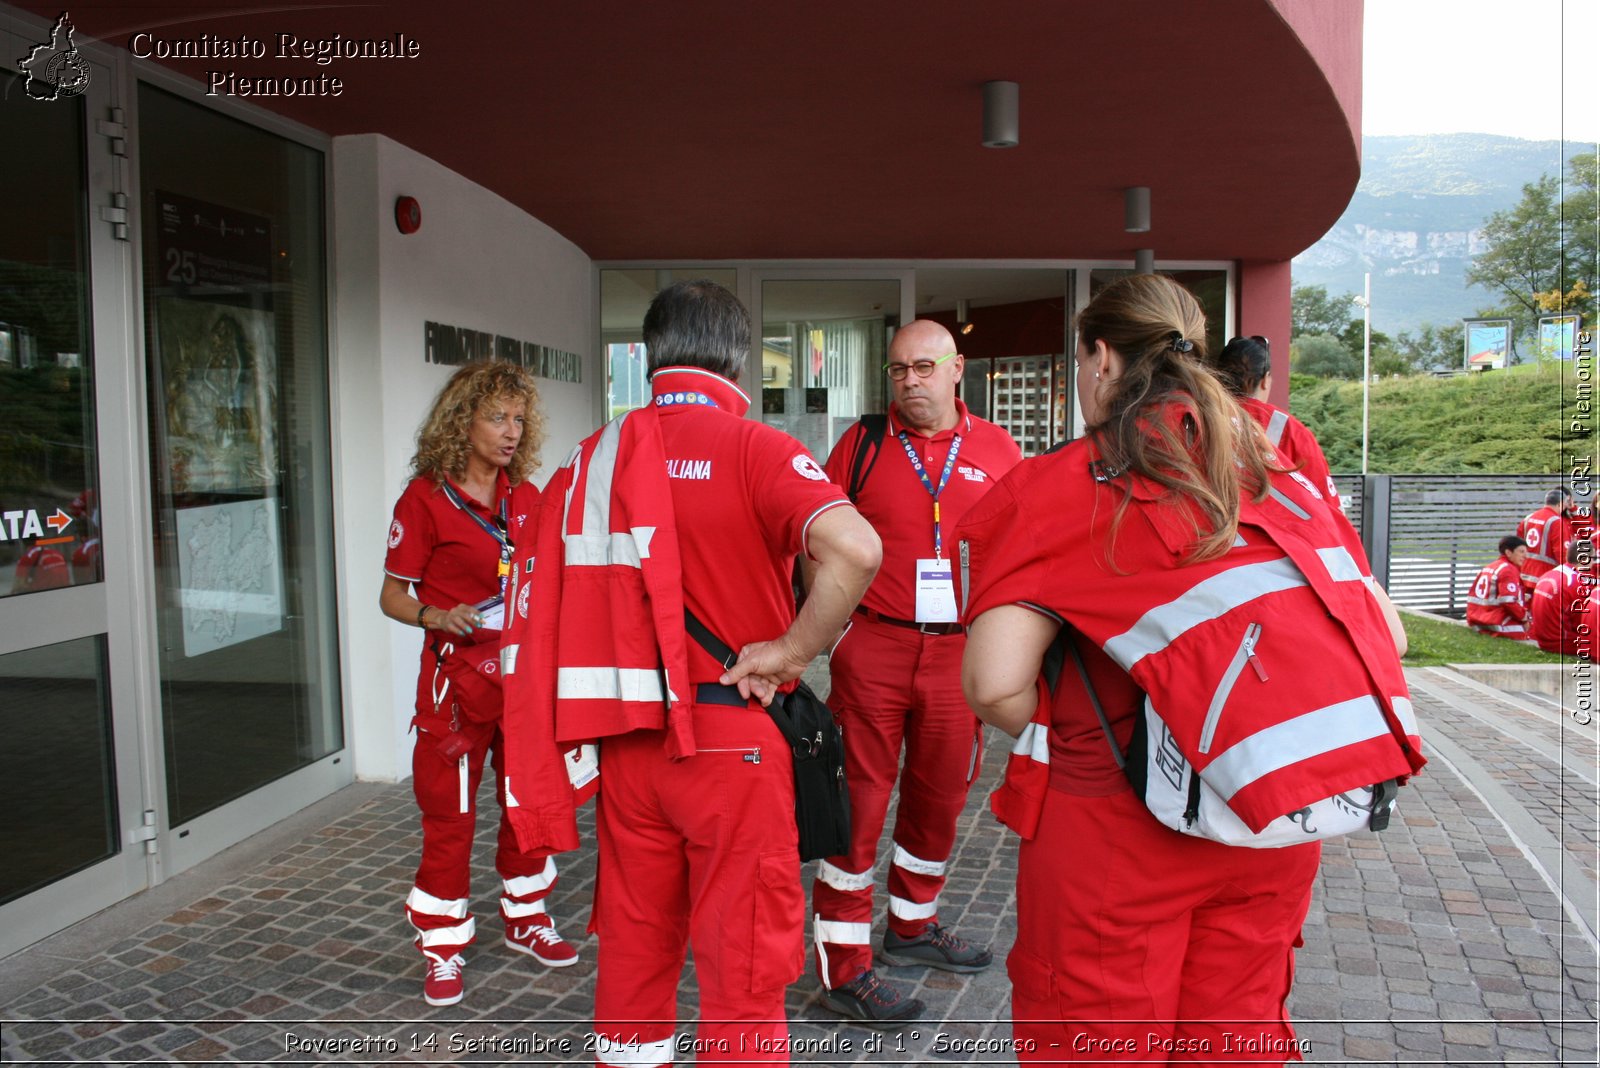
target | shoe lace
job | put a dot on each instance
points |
(942, 939)
(868, 987)
(545, 934)
(445, 967)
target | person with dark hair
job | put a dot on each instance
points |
(1244, 366)
(1546, 532)
(1561, 599)
(683, 506)
(449, 542)
(1498, 602)
(897, 679)
(1161, 527)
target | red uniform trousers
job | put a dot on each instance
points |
(446, 792)
(894, 685)
(1121, 919)
(702, 850)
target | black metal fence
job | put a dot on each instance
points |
(1429, 535)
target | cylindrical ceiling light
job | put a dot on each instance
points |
(963, 315)
(1136, 209)
(1144, 261)
(1000, 115)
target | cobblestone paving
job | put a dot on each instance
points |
(1437, 942)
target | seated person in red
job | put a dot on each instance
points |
(1496, 605)
(1561, 599)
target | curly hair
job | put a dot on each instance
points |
(1169, 420)
(442, 440)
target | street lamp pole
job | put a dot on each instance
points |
(1365, 301)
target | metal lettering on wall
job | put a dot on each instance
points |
(453, 345)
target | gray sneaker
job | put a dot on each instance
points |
(935, 947)
(873, 1001)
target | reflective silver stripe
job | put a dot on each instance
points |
(1033, 743)
(1205, 601)
(1490, 602)
(1238, 541)
(598, 550)
(910, 862)
(1279, 496)
(508, 659)
(609, 683)
(1276, 426)
(459, 935)
(840, 933)
(424, 903)
(1307, 735)
(602, 471)
(516, 910)
(523, 885)
(1406, 713)
(1342, 567)
(627, 1054)
(843, 881)
(1542, 558)
(1502, 628)
(912, 910)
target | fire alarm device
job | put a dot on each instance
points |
(408, 215)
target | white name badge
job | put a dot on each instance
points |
(936, 592)
(494, 613)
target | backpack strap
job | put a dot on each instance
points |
(873, 428)
(1065, 636)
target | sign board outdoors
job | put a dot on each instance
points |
(1488, 343)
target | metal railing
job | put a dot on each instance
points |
(1428, 535)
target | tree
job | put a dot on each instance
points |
(1432, 348)
(1540, 253)
(1324, 356)
(1313, 311)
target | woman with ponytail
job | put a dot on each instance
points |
(1136, 942)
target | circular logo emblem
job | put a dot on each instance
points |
(522, 599)
(808, 468)
(490, 667)
(396, 532)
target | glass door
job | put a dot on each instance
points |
(76, 824)
(824, 337)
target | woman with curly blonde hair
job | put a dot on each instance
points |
(451, 542)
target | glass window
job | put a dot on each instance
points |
(1209, 286)
(49, 519)
(234, 294)
(58, 793)
(624, 297)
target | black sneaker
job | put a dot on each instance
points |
(935, 947)
(868, 998)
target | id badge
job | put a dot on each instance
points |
(494, 613)
(936, 592)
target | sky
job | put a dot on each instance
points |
(1483, 66)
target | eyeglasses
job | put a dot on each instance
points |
(1257, 338)
(924, 368)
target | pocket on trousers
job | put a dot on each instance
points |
(777, 951)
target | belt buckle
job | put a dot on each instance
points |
(937, 628)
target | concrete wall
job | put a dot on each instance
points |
(477, 262)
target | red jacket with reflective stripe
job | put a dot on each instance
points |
(1546, 532)
(1292, 595)
(1495, 603)
(1559, 602)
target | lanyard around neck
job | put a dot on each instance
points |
(927, 484)
(495, 531)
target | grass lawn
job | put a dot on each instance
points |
(1434, 642)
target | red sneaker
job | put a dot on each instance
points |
(442, 985)
(539, 940)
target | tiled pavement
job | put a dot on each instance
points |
(1456, 937)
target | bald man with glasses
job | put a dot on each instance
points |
(897, 678)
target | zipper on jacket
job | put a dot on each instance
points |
(1246, 653)
(752, 753)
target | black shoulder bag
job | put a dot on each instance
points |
(821, 796)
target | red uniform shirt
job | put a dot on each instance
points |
(442, 550)
(894, 500)
(745, 495)
(1560, 601)
(1496, 602)
(1546, 533)
(1296, 446)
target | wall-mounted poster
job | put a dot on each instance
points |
(1488, 343)
(230, 582)
(1558, 336)
(219, 369)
